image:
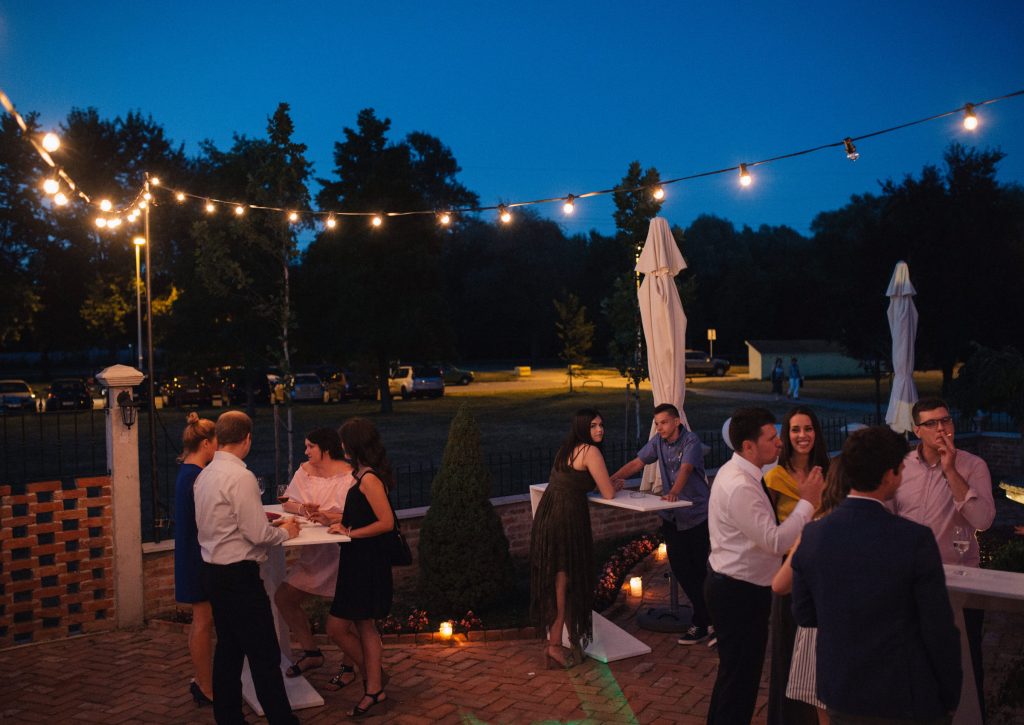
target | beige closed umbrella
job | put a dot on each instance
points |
(902, 314)
(664, 324)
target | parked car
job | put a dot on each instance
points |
(68, 394)
(361, 386)
(187, 390)
(416, 381)
(306, 388)
(234, 384)
(698, 361)
(456, 376)
(16, 395)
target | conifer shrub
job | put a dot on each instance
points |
(464, 560)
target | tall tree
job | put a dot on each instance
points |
(575, 332)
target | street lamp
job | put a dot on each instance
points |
(139, 242)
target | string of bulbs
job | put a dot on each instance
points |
(111, 218)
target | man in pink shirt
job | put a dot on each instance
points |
(943, 488)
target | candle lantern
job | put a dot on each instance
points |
(636, 587)
(662, 551)
(445, 630)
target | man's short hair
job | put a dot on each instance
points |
(667, 408)
(232, 427)
(869, 453)
(926, 404)
(746, 425)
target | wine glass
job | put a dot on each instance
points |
(961, 542)
(262, 483)
(282, 493)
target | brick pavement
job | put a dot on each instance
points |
(142, 677)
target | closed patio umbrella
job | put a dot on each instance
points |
(664, 323)
(902, 316)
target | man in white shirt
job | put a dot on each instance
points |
(233, 536)
(747, 546)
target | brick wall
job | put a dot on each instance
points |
(56, 554)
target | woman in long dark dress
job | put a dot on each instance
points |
(364, 589)
(199, 443)
(562, 575)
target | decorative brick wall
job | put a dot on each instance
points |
(57, 560)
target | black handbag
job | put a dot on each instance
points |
(399, 553)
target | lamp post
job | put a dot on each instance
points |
(157, 524)
(139, 243)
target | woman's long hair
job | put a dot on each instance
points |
(837, 486)
(196, 431)
(363, 447)
(819, 453)
(579, 435)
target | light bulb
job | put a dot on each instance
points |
(745, 177)
(51, 142)
(444, 218)
(143, 204)
(570, 205)
(51, 186)
(139, 241)
(851, 150)
(970, 120)
(331, 222)
(210, 208)
(154, 180)
(115, 222)
(59, 199)
(105, 205)
(179, 196)
(101, 222)
(504, 214)
(239, 210)
(147, 196)
(658, 193)
(293, 217)
(377, 221)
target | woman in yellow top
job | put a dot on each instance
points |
(803, 455)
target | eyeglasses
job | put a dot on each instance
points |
(935, 422)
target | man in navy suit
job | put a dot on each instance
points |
(873, 585)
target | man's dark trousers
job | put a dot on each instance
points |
(688, 556)
(739, 611)
(245, 629)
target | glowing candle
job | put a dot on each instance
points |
(445, 630)
(636, 587)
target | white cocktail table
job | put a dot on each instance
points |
(610, 642)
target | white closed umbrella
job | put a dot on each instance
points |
(664, 323)
(902, 316)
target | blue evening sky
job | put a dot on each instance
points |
(546, 99)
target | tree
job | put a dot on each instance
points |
(464, 560)
(575, 332)
(992, 381)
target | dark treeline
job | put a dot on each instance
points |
(240, 290)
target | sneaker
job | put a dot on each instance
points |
(695, 634)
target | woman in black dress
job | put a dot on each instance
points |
(198, 446)
(562, 575)
(363, 592)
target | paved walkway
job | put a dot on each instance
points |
(142, 677)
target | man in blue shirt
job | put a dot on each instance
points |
(680, 457)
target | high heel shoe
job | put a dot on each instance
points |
(358, 712)
(197, 694)
(560, 661)
(338, 681)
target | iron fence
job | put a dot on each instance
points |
(52, 446)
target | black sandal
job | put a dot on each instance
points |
(338, 681)
(358, 712)
(297, 669)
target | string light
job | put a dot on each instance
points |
(179, 196)
(745, 177)
(143, 204)
(105, 205)
(59, 199)
(293, 217)
(331, 222)
(851, 150)
(504, 214)
(444, 218)
(210, 208)
(570, 204)
(51, 142)
(51, 186)
(239, 210)
(377, 221)
(114, 223)
(101, 222)
(155, 181)
(970, 119)
(147, 196)
(658, 193)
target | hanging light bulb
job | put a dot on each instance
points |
(59, 199)
(293, 217)
(970, 119)
(745, 178)
(444, 218)
(658, 193)
(51, 142)
(51, 186)
(114, 223)
(377, 221)
(101, 222)
(210, 208)
(105, 205)
(143, 204)
(851, 150)
(154, 180)
(331, 222)
(179, 196)
(147, 196)
(239, 210)
(570, 204)
(504, 214)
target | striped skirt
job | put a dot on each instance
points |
(802, 684)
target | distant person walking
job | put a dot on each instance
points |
(777, 375)
(795, 380)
